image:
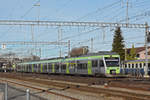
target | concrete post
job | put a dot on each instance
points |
(6, 91)
(28, 94)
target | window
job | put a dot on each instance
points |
(49, 66)
(79, 66)
(94, 63)
(101, 63)
(82, 66)
(30, 67)
(136, 65)
(63, 66)
(132, 65)
(138, 55)
(148, 65)
(140, 65)
(45, 67)
(125, 65)
(112, 63)
(56, 66)
(129, 65)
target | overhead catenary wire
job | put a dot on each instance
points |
(98, 10)
(28, 11)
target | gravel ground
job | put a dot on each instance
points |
(40, 80)
(69, 92)
(15, 93)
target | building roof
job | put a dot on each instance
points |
(138, 49)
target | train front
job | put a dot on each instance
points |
(112, 68)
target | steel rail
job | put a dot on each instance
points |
(35, 88)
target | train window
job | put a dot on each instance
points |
(30, 67)
(144, 64)
(125, 65)
(39, 65)
(136, 65)
(63, 66)
(82, 66)
(79, 66)
(129, 65)
(140, 65)
(149, 65)
(132, 65)
(101, 63)
(45, 67)
(94, 63)
(138, 55)
(56, 66)
(35, 65)
(50, 66)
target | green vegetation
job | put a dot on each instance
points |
(132, 54)
(118, 43)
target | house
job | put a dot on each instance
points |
(140, 52)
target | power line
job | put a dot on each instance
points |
(99, 9)
(30, 9)
(81, 33)
(146, 13)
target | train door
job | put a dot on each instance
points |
(56, 67)
(36, 68)
(82, 67)
(101, 67)
(26, 67)
(49, 70)
(72, 66)
(148, 68)
(95, 67)
(44, 67)
(63, 68)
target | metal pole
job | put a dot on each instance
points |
(32, 34)
(59, 39)
(40, 52)
(6, 91)
(127, 17)
(146, 50)
(125, 53)
(91, 44)
(68, 48)
(28, 94)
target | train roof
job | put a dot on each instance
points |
(100, 53)
(139, 60)
(90, 55)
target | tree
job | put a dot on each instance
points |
(118, 43)
(132, 54)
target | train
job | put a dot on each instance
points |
(96, 64)
(134, 67)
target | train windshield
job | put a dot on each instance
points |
(112, 62)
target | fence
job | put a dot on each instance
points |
(8, 92)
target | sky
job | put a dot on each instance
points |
(71, 10)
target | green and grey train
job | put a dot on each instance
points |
(102, 63)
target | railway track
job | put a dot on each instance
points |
(107, 90)
(39, 89)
